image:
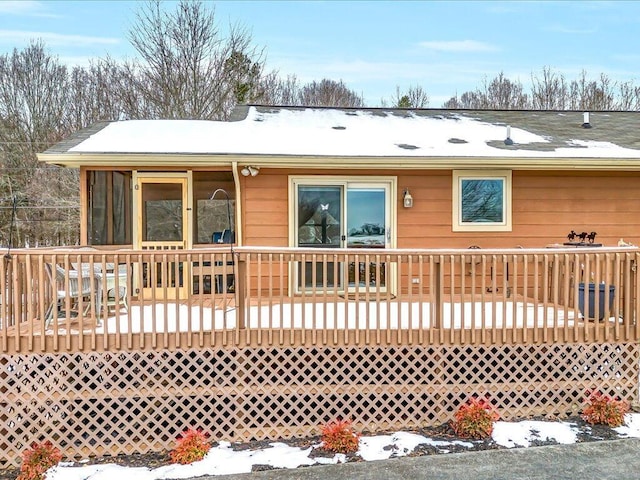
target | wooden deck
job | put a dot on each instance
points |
(393, 339)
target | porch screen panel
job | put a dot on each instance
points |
(319, 213)
(98, 226)
(214, 218)
(162, 213)
(109, 209)
(121, 209)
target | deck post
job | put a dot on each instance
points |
(241, 292)
(437, 293)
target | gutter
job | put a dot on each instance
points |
(238, 222)
(146, 160)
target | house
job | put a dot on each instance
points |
(497, 179)
(295, 264)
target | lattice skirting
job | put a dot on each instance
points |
(125, 402)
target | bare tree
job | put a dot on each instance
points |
(413, 97)
(279, 91)
(504, 94)
(628, 97)
(549, 91)
(588, 94)
(188, 69)
(324, 93)
(329, 93)
(33, 103)
(453, 103)
(468, 100)
(95, 93)
(500, 93)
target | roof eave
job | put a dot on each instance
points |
(140, 160)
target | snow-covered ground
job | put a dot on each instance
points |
(338, 315)
(223, 460)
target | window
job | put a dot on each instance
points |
(482, 201)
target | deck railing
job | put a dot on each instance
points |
(89, 299)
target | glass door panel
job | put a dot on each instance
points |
(366, 217)
(319, 225)
(367, 227)
(319, 216)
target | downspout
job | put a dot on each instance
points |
(236, 181)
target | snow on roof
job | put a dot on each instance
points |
(358, 133)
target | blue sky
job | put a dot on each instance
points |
(373, 46)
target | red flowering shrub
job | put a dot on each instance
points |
(339, 436)
(37, 460)
(474, 419)
(191, 446)
(604, 410)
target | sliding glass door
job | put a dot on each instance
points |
(330, 213)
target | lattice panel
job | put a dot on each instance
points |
(126, 402)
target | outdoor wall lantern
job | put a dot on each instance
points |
(250, 170)
(407, 199)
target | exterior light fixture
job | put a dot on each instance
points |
(250, 171)
(407, 199)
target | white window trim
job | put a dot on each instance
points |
(458, 225)
(295, 180)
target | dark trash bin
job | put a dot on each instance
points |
(592, 300)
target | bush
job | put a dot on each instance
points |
(604, 410)
(191, 446)
(475, 419)
(338, 436)
(37, 460)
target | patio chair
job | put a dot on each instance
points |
(115, 299)
(80, 285)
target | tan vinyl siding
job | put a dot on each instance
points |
(265, 217)
(546, 206)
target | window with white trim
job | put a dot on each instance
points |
(481, 201)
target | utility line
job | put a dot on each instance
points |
(44, 207)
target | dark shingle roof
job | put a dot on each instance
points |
(373, 132)
(77, 138)
(559, 127)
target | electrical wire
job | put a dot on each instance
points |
(44, 207)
